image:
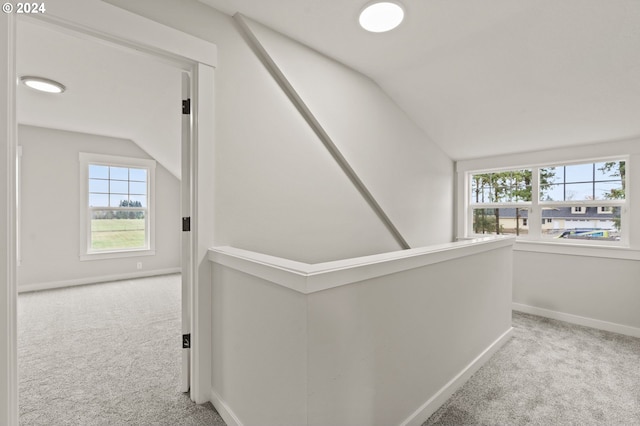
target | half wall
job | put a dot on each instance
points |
(375, 340)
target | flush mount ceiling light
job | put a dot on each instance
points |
(382, 16)
(42, 84)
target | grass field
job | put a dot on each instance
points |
(117, 233)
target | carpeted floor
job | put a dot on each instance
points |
(551, 373)
(105, 354)
(84, 360)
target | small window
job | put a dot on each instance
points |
(116, 206)
(578, 210)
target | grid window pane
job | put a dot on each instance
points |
(611, 170)
(119, 187)
(141, 199)
(99, 185)
(98, 200)
(139, 188)
(551, 175)
(503, 221)
(552, 193)
(579, 173)
(116, 200)
(98, 172)
(578, 191)
(608, 190)
(139, 175)
(120, 173)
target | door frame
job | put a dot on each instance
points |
(110, 24)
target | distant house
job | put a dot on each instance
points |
(555, 220)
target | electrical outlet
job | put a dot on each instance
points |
(139, 265)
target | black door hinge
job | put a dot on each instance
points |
(186, 341)
(186, 224)
(186, 106)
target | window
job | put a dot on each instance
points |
(496, 199)
(116, 206)
(605, 210)
(578, 202)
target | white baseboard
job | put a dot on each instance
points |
(94, 280)
(428, 408)
(576, 319)
(223, 409)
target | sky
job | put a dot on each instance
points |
(578, 182)
(109, 185)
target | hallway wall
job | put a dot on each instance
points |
(278, 190)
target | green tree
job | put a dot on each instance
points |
(477, 185)
(129, 214)
(616, 169)
(507, 186)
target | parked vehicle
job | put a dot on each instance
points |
(589, 234)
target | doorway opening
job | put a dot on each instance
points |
(115, 26)
(146, 94)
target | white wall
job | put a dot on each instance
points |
(376, 340)
(50, 211)
(278, 190)
(598, 288)
(593, 286)
(380, 349)
(407, 173)
(259, 349)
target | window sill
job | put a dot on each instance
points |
(116, 254)
(611, 252)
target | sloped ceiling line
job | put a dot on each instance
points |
(315, 125)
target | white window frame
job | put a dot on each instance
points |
(85, 223)
(535, 206)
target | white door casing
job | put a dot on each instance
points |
(8, 248)
(185, 200)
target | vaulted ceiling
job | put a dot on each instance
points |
(480, 78)
(486, 77)
(111, 90)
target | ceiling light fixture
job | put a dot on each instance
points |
(42, 84)
(381, 16)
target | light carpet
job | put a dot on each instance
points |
(551, 373)
(104, 354)
(109, 354)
